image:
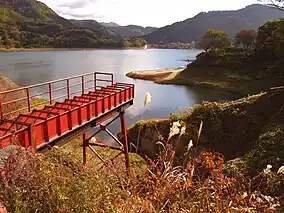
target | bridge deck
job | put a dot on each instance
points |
(62, 114)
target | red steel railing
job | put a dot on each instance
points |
(49, 92)
(62, 111)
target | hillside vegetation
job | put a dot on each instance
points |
(230, 22)
(205, 181)
(30, 23)
(129, 31)
(237, 70)
(94, 25)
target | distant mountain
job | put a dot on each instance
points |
(129, 31)
(250, 17)
(94, 25)
(142, 30)
(30, 23)
(110, 24)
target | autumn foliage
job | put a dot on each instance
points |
(246, 37)
(214, 39)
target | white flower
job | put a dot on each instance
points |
(281, 170)
(93, 140)
(244, 195)
(267, 169)
(190, 144)
(147, 98)
(182, 131)
(259, 200)
(174, 130)
(192, 171)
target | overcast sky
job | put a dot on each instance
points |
(155, 13)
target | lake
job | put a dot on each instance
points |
(26, 68)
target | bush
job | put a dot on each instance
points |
(56, 182)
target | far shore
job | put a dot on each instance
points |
(42, 49)
(156, 75)
(176, 76)
(3, 49)
(60, 49)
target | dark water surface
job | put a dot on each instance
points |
(26, 68)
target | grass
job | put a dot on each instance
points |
(57, 182)
(249, 129)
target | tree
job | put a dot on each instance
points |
(279, 4)
(246, 37)
(139, 42)
(1, 41)
(270, 39)
(126, 43)
(214, 39)
(6, 41)
(12, 43)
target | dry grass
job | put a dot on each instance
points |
(57, 182)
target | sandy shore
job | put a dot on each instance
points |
(157, 75)
(177, 77)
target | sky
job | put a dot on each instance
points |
(156, 13)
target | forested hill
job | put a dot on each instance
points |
(94, 25)
(231, 22)
(30, 23)
(129, 31)
(29, 10)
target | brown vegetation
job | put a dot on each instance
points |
(57, 182)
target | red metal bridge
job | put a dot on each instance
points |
(45, 114)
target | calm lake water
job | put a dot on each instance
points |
(26, 68)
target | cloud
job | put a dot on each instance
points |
(76, 9)
(75, 4)
(77, 13)
(155, 13)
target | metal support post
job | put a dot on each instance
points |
(85, 145)
(125, 142)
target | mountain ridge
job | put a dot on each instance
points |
(191, 29)
(32, 24)
(94, 25)
(34, 10)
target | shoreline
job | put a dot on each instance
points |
(173, 76)
(60, 49)
(43, 49)
(156, 75)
